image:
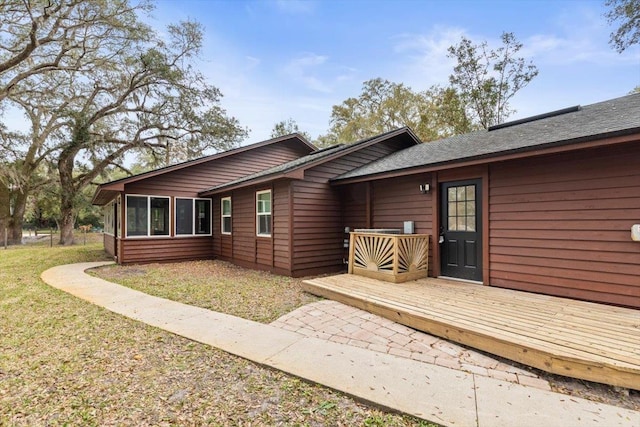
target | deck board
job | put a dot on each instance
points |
(595, 342)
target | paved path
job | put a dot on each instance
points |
(337, 322)
(437, 393)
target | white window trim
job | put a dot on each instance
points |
(264, 213)
(126, 216)
(193, 223)
(223, 216)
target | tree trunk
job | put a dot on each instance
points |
(67, 195)
(12, 223)
(17, 219)
(67, 220)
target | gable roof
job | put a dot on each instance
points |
(105, 192)
(296, 168)
(616, 117)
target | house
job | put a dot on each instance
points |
(289, 219)
(544, 204)
(158, 216)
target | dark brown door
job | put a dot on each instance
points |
(461, 230)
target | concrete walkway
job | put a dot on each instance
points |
(437, 393)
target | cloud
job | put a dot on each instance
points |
(578, 37)
(252, 62)
(304, 70)
(423, 57)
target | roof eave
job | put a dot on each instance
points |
(298, 171)
(590, 141)
(295, 174)
(216, 156)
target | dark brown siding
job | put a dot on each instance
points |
(188, 182)
(561, 224)
(398, 200)
(109, 244)
(243, 246)
(281, 236)
(354, 205)
(244, 226)
(165, 249)
(318, 223)
(393, 201)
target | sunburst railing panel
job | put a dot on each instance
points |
(390, 257)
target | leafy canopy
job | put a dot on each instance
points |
(626, 14)
(383, 106)
(487, 79)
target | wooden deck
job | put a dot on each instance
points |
(578, 339)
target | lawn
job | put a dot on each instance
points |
(64, 361)
(215, 285)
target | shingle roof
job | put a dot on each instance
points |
(602, 119)
(310, 159)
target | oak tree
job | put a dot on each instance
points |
(626, 14)
(383, 106)
(125, 88)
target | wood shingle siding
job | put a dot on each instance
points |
(562, 226)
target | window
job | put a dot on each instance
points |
(203, 216)
(193, 217)
(462, 208)
(263, 213)
(147, 216)
(109, 225)
(225, 209)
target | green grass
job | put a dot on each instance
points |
(64, 361)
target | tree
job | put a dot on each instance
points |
(383, 106)
(40, 36)
(625, 13)
(287, 127)
(129, 88)
(487, 79)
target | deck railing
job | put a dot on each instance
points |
(391, 257)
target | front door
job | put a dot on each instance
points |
(461, 230)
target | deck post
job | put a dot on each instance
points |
(351, 252)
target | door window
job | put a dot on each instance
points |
(461, 212)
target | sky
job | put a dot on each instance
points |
(280, 59)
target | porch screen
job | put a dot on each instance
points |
(137, 219)
(193, 216)
(203, 216)
(184, 216)
(147, 216)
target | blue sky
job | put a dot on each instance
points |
(287, 58)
